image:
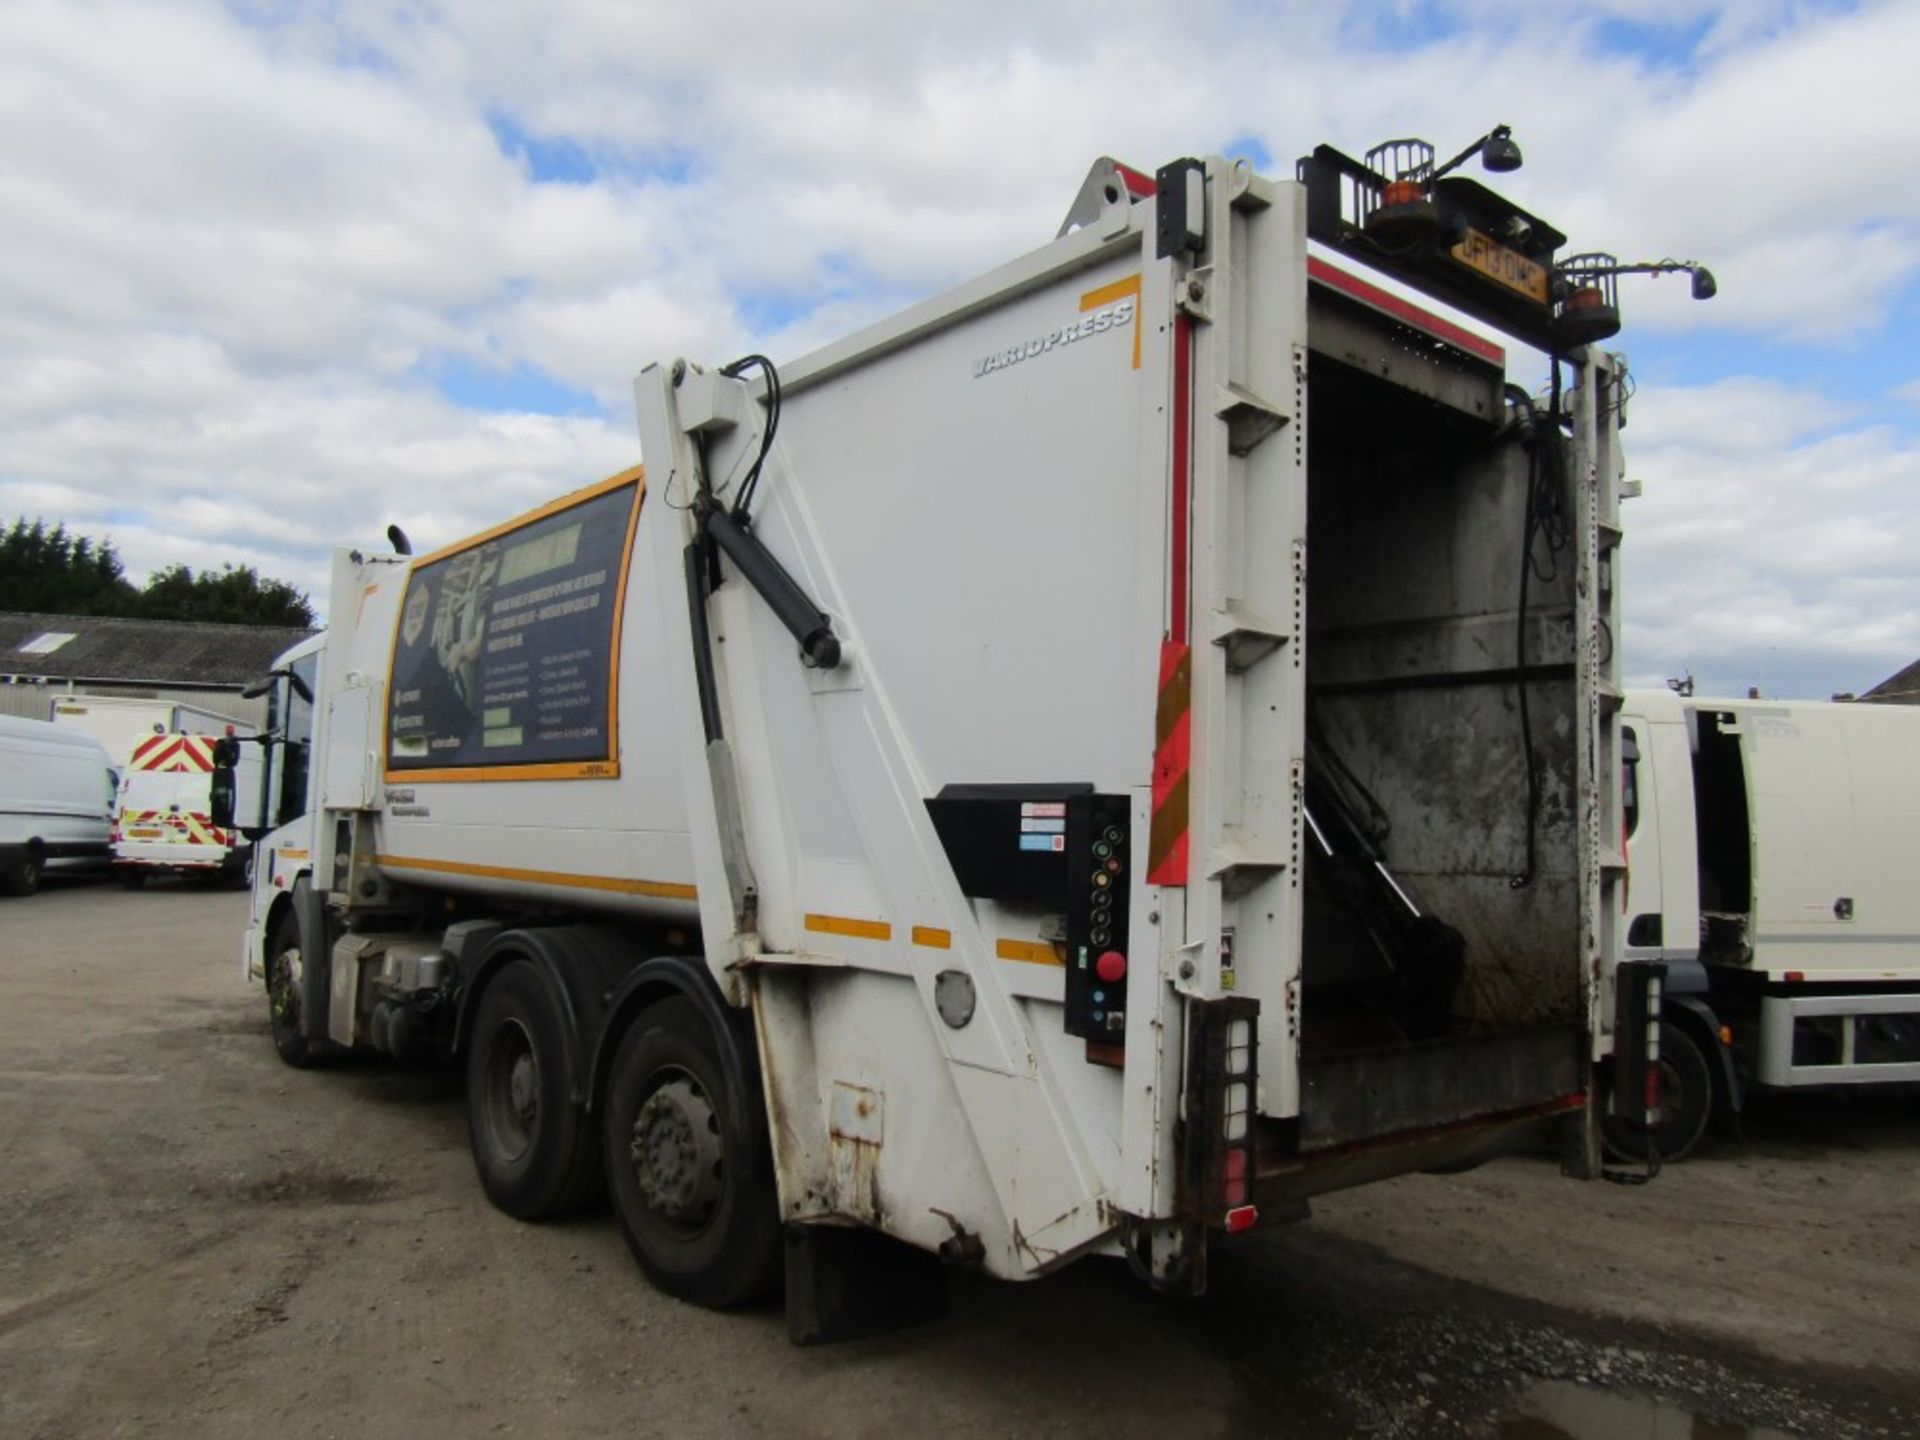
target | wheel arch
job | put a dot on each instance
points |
(278, 909)
(668, 977)
(580, 967)
(1693, 1013)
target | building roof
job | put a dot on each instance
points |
(1900, 688)
(101, 648)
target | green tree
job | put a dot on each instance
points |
(60, 574)
(57, 573)
(236, 595)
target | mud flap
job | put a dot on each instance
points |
(316, 961)
(847, 1283)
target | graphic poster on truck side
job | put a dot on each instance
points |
(506, 658)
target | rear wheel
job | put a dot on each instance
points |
(284, 970)
(691, 1184)
(1686, 1103)
(532, 1144)
(23, 876)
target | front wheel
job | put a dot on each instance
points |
(284, 969)
(1686, 1103)
(688, 1165)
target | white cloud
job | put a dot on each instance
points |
(240, 241)
(1770, 548)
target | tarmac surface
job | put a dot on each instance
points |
(197, 1241)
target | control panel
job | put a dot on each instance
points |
(1099, 864)
(1067, 848)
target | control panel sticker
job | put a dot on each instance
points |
(1043, 842)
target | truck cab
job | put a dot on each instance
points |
(1769, 871)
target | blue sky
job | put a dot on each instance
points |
(320, 266)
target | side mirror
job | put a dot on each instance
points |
(221, 789)
(265, 683)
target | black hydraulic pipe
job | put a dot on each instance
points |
(702, 639)
(807, 623)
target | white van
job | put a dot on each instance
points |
(56, 803)
(164, 822)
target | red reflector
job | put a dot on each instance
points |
(1241, 1217)
(1794, 977)
(1236, 1164)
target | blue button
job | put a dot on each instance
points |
(1098, 1016)
(1099, 997)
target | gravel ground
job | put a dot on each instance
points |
(195, 1240)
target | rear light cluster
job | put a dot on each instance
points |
(1638, 987)
(1219, 1116)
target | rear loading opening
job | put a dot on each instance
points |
(1434, 987)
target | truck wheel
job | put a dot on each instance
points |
(1686, 1103)
(24, 877)
(284, 966)
(531, 1143)
(693, 1187)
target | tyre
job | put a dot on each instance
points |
(284, 969)
(1686, 1103)
(23, 876)
(688, 1165)
(533, 1146)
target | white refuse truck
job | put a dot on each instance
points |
(1098, 758)
(1772, 873)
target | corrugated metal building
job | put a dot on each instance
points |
(44, 656)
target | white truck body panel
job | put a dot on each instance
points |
(1830, 790)
(120, 722)
(1785, 865)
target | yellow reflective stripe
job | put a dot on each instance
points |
(612, 884)
(842, 925)
(1031, 952)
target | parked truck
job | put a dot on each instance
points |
(1770, 846)
(120, 722)
(939, 797)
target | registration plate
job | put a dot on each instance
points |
(145, 834)
(1503, 266)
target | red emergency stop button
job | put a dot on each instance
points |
(1111, 967)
